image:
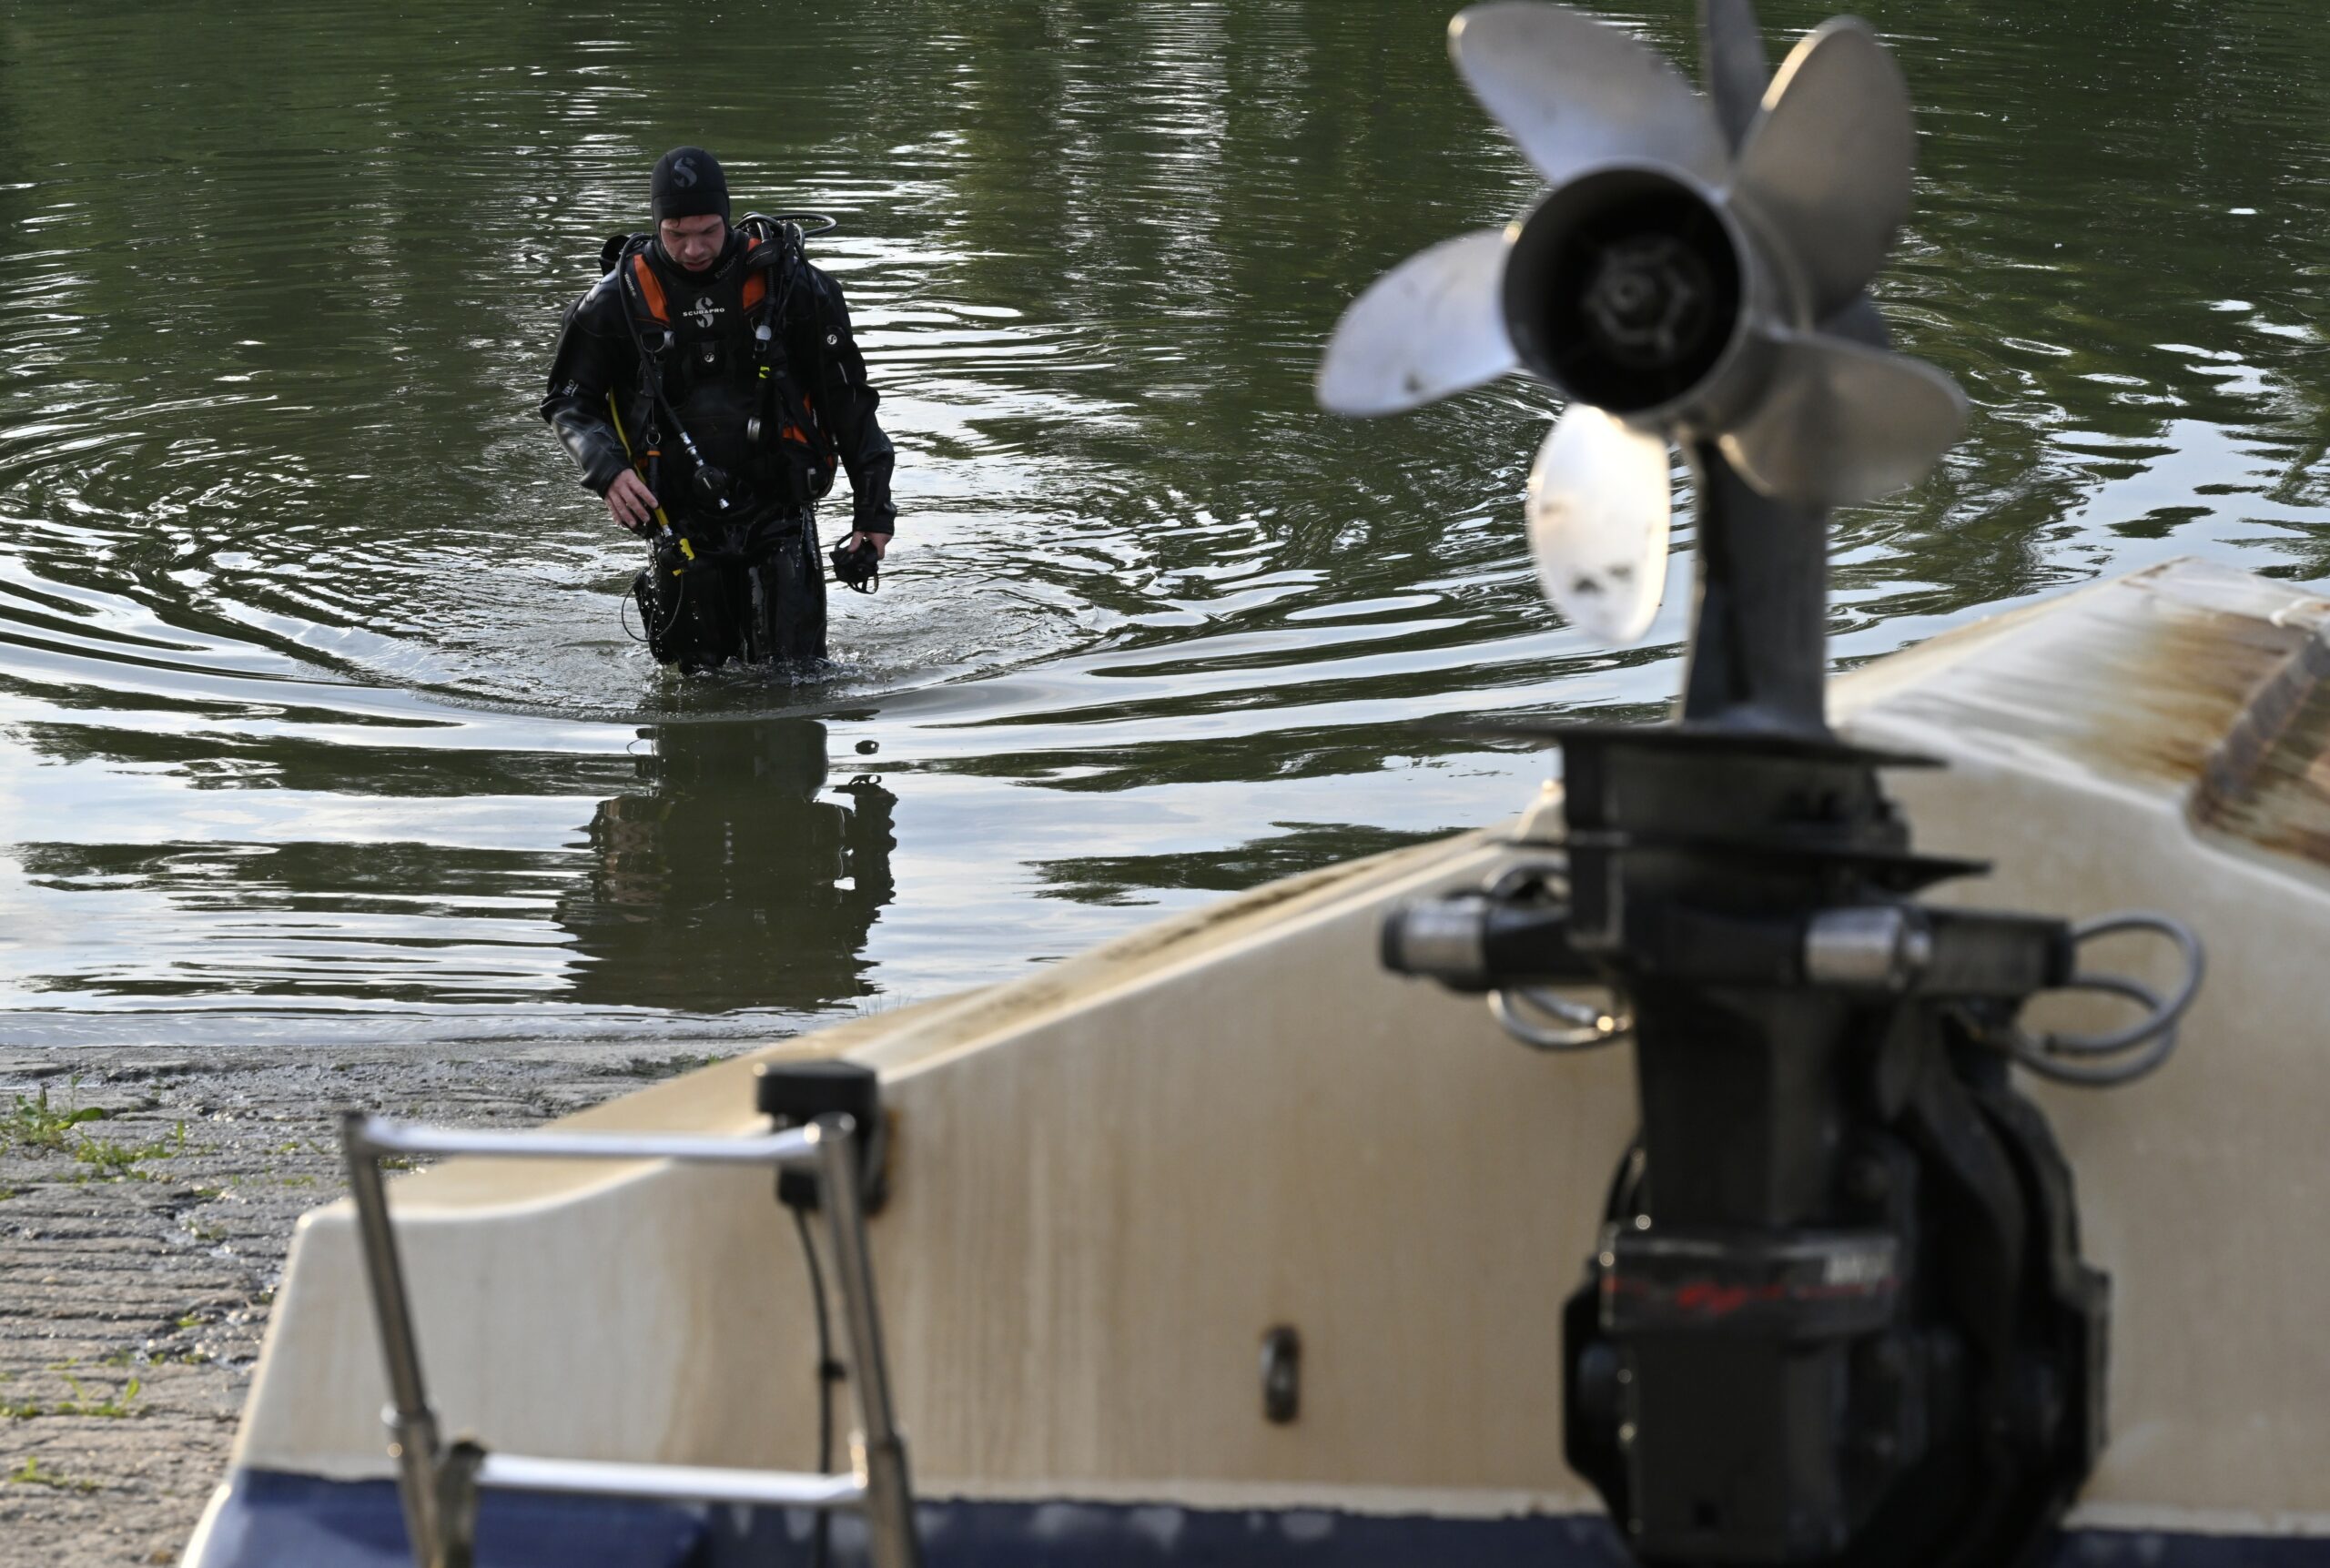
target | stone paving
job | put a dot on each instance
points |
(140, 1250)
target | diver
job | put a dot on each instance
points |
(707, 386)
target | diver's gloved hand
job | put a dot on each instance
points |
(629, 502)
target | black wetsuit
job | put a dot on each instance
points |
(751, 584)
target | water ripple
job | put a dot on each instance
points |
(321, 718)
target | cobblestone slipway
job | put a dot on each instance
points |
(139, 1253)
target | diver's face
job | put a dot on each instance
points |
(694, 242)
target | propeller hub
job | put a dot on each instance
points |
(1624, 289)
(1648, 301)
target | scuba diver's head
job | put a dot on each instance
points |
(689, 195)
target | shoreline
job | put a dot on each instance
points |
(140, 1250)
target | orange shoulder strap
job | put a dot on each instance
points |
(755, 283)
(651, 290)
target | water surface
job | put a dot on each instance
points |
(319, 718)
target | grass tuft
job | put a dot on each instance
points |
(30, 1473)
(35, 1124)
(117, 1406)
(123, 1158)
(112, 1407)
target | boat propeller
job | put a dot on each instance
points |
(1669, 290)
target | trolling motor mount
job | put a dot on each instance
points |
(1838, 1313)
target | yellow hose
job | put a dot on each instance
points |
(661, 520)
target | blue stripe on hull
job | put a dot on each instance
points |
(276, 1521)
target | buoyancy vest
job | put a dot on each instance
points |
(732, 389)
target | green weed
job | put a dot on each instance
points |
(112, 1407)
(30, 1473)
(123, 1158)
(35, 1124)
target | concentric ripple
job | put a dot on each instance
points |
(322, 718)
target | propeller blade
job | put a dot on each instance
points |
(1841, 422)
(1576, 92)
(1432, 326)
(1829, 161)
(1731, 52)
(1600, 499)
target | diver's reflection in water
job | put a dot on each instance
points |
(732, 878)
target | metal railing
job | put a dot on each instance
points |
(439, 1482)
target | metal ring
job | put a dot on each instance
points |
(1588, 1026)
(2118, 1040)
(2163, 1015)
(2124, 1055)
(2091, 1072)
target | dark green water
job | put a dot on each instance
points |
(319, 719)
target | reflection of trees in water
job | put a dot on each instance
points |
(2074, 238)
(733, 878)
(1171, 202)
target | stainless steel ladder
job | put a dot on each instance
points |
(439, 1482)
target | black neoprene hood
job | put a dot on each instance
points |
(688, 183)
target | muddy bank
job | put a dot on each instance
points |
(146, 1199)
